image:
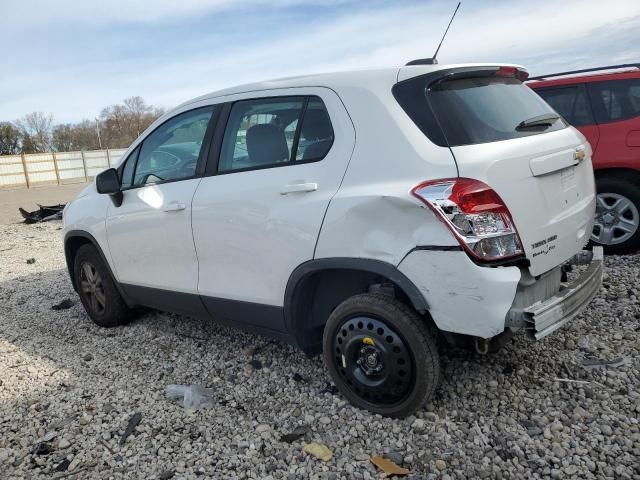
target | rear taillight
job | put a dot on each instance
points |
(476, 215)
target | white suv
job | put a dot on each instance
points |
(373, 215)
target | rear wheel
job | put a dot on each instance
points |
(617, 218)
(381, 355)
(97, 290)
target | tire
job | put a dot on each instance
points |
(108, 309)
(368, 342)
(617, 219)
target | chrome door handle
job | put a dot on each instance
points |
(299, 187)
(174, 207)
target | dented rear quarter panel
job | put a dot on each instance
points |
(371, 216)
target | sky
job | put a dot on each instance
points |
(71, 58)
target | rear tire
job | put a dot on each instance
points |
(381, 355)
(617, 218)
(97, 290)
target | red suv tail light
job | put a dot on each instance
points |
(475, 214)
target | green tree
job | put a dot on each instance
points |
(9, 139)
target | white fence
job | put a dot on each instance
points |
(31, 169)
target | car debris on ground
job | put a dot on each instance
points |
(45, 213)
(193, 397)
(296, 434)
(134, 421)
(63, 305)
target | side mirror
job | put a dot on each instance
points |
(108, 182)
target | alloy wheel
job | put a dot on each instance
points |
(92, 288)
(616, 219)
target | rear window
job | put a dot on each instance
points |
(481, 110)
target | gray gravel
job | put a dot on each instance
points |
(68, 390)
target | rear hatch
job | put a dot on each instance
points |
(502, 133)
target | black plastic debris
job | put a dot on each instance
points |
(63, 305)
(297, 433)
(589, 363)
(134, 421)
(296, 377)
(257, 364)
(63, 465)
(42, 448)
(45, 213)
(31, 261)
(329, 388)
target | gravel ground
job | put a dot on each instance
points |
(499, 416)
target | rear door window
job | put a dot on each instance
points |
(616, 100)
(277, 131)
(482, 110)
(570, 102)
(316, 134)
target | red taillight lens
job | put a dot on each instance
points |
(476, 215)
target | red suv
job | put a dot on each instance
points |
(604, 104)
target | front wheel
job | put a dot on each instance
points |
(617, 219)
(381, 355)
(97, 290)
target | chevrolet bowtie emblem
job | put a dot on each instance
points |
(579, 154)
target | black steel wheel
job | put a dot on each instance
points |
(97, 290)
(381, 355)
(373, 360)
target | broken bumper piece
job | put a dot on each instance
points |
(545, 317)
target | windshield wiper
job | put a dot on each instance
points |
(545, 120)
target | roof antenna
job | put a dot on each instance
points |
(433, 60)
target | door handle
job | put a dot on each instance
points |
(299, 187)
(174, 207)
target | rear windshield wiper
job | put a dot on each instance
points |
(545, 120)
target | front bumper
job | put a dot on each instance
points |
(541, 318)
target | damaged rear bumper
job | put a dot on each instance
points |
(542, 317)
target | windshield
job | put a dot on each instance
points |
(481, 110)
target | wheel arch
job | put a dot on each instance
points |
(626, 174)
(73, 241)
(316, 287)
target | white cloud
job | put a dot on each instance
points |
(549, 36)
(34, 13)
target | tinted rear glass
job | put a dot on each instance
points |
(570, 102)
(482, 110)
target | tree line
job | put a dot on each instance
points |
(117, 126)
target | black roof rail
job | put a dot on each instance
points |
(585, 70)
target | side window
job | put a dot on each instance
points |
(570, 102)
(316, 134)
(171, 152)
(615, 100)
(260, 133)
(126, 179)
